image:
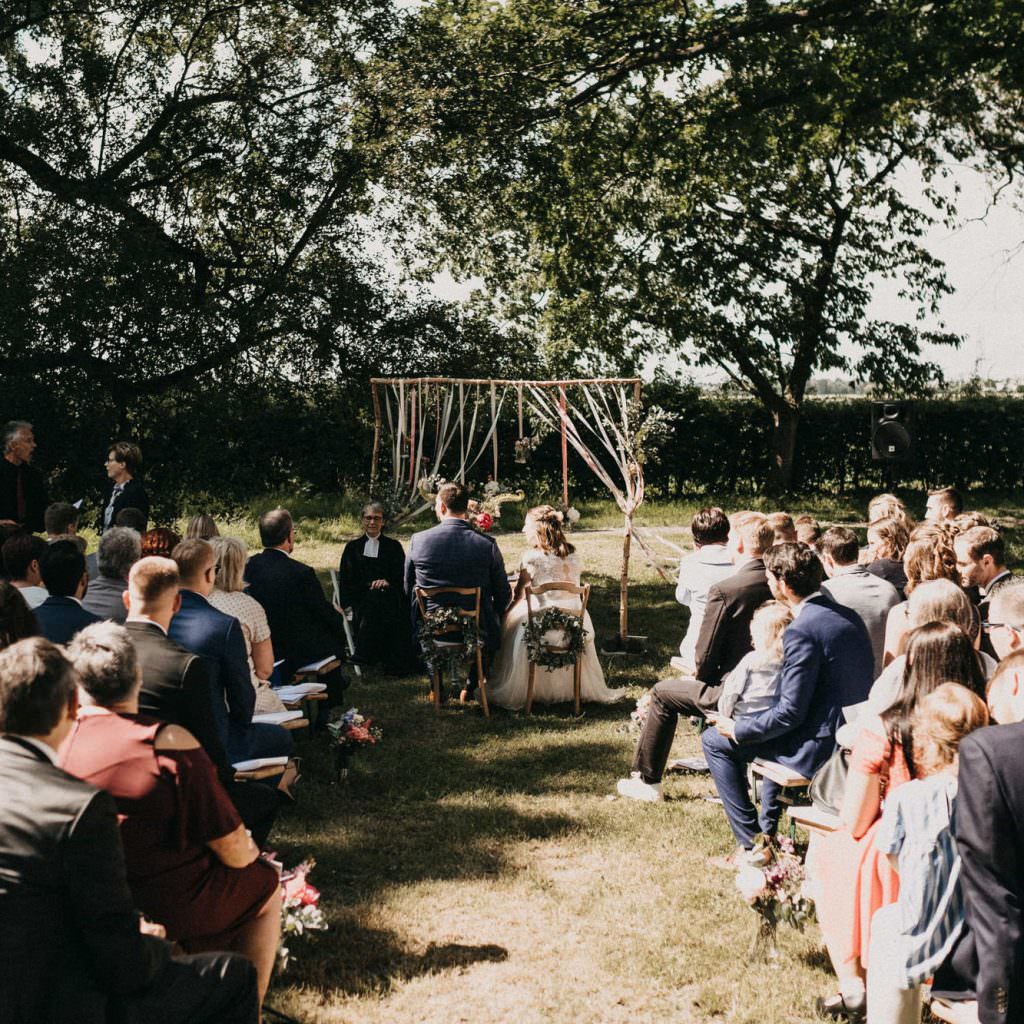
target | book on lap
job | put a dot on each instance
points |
(315, 666)
(299, 690)
(260, 762)
(277, 717)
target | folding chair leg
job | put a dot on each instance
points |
(577, 680)
(529, 688)
(482, 683)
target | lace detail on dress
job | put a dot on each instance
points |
(545, 568)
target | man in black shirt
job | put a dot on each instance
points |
(23, 497)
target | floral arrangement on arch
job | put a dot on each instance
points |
(775, 891)
(437, 633)
(555, 620)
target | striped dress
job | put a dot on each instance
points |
(917, 826)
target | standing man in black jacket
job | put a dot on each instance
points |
(723, 640)
(23, 497)
(72, 946)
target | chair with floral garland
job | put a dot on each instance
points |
(557, 650)
(452, 636)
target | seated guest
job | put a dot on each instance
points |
(228, 596)
(930, 557)
(370, 583)
(710, 563)
(61, 615)
(808, 531)
(159, 542)
(22, 555)
(190, 862)
(854, 881)
(123, 463)
(989, 810)
(1005, 627)
(912, 937)
(851, 585)
(723, 641)
(888, 506)
(200, 628)
(131, 519)
(782, 526)
(887, 541)
(968, 521)
(60, 519)
(932, 601)
(305, 626)
(69, 933)
(16, 619)
(827, 664)
(176, 684)
(120, 549)
(981, 561)
(943, 505)
(201, 527)
(753, 685)
(23, 497)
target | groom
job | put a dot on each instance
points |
(453, 554)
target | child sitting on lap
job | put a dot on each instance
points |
(753, 685)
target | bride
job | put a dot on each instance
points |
(549, 558)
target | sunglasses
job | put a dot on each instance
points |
(991, 627)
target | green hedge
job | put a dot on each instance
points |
(228, 442)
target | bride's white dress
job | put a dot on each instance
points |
(509, 675)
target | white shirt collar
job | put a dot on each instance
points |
(992, 582)
(714, 554)
(43, 748)
(797, 609)
(372, 547)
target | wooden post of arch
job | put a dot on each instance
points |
(377, 424)
(565, 451)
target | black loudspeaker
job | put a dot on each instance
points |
(892, 431)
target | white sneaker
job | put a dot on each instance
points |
(634, 788)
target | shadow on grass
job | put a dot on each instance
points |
(373, 960)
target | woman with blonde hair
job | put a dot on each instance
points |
(929, 556)
(228, 597)
(201, 527)
(887, 541)
(549, 558)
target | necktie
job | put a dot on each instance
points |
(20, 495)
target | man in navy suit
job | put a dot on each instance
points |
(202, 629)
(61, 615)
(304, 626)
(453, 554)
(827, 665)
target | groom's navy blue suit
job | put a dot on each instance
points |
(453, 554)
(827, 664)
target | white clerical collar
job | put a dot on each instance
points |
(372, 547)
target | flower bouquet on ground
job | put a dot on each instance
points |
(775, 891)
(350, 731)
(638, 716)
(300, 906)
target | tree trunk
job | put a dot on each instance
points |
(785, 418)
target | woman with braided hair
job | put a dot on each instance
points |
(548, 558)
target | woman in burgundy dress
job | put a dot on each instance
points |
(191, 865)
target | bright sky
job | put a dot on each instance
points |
(985, 265)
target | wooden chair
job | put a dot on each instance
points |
(425, 594)
(583, 592)
(790, 782)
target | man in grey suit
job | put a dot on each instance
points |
(852, 586)
(120, 549)
(453, 554)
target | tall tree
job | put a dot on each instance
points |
(712, 181)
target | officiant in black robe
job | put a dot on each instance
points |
(370, 582)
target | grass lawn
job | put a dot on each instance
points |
(479, 871)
